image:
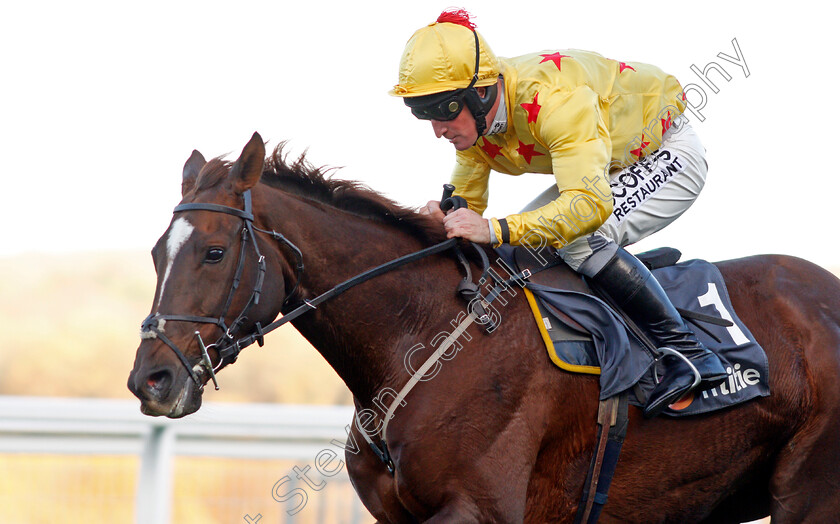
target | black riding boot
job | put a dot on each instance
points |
(633, 288)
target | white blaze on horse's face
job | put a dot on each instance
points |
(178, 234)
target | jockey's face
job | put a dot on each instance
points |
(460, 131)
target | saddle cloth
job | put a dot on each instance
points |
(583, 334)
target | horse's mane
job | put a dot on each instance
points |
(303, 179)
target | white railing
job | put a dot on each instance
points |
(101, 427)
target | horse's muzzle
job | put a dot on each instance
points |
(165, 392)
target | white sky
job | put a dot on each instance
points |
(102, 102)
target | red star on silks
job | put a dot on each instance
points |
(638, 151)
(532, 108)
(527, 151)
(666, 124)
(491, 149)
(622, 66)
(554, 57)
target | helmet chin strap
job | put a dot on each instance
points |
(480, 106)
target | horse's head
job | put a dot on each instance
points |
(210, 276)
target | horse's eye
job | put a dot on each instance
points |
(214, 254)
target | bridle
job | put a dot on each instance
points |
(152, 323)
(228, 346)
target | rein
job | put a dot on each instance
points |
(228, 346)
(236, 346)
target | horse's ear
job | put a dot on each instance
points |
(191, 169)
(247, 170)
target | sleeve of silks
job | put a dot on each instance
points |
(577, 137)
(471, 180)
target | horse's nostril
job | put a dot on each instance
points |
(158, 382)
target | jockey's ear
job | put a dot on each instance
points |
(247, 170)
(191, 169)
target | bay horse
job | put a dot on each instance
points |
(498, 434)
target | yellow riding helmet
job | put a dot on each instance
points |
(442, 56)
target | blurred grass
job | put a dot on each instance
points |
(70, 325)
(45, 489)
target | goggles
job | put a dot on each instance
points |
(440, 106)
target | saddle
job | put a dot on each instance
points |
(583, 333)
(570, 345)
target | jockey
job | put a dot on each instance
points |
(626, 163)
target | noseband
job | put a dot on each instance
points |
(152, 323)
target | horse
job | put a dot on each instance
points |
(498, 434)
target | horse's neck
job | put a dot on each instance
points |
(365, 332)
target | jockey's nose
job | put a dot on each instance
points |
(440, 127)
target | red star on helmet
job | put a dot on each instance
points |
(490, 148)
(533, 109)
(554, 57)
(622, 66)
(638, 151)
(527, 151)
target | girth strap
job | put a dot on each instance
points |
(612, 428)
(476, 312)
(381, 449)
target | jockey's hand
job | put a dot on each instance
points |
(467, 224)
(432, 208)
